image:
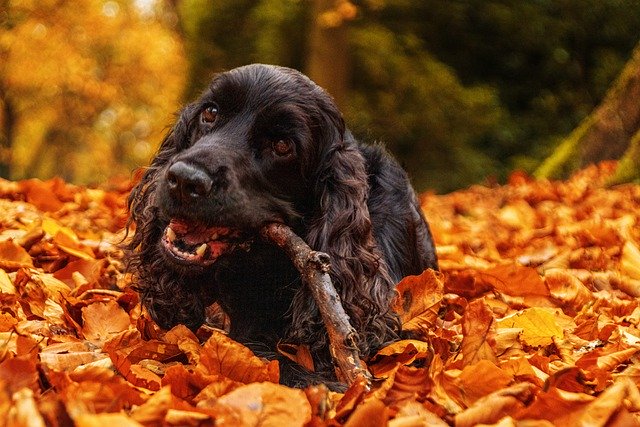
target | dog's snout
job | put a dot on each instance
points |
(188, 183)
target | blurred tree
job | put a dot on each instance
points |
(551, 61)
(328, 57)
(83, 84)
(612, 131)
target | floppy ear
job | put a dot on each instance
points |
(340, 226)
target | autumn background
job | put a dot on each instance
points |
(461, 91)
(534, 316)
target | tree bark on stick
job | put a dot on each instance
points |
(608, 133)
(314, 268)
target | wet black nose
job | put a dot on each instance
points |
(187, 182)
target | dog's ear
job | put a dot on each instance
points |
(340, 225)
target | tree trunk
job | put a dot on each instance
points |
(328, 58)
(607, 133)
(7, 127)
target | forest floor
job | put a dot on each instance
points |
(533, 319)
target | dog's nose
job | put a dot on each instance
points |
(187, 182)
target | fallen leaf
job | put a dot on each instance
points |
(221, 355)
(539, 325)
(419, 300)
(481, 379)
(103, 320)
(478, 328)
(268, 404)
(515, 280)
(13, 256)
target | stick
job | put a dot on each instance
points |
(314, 268)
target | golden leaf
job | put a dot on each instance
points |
(539, 325)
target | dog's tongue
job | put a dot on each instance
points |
(192, 233)
(198, 243)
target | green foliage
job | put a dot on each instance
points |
(552, 61)
(416, 104)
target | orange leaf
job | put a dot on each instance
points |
(40, 195)
(420, 299)
(515, 280)
(372, 412)
(493, 407)
(102, 320)
(267, 404)
(478, 331)
(142, 377)
(481, 379)
(221, 355)
(13, 256)
(401, 352)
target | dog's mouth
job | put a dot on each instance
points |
(195, 243)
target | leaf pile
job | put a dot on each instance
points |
(533, 319)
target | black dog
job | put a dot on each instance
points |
(265, 144)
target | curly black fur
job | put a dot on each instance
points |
(347, 199)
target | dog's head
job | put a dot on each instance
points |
(246, 153)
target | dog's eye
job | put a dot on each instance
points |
(282, 147)
(209, 114)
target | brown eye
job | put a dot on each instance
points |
(209, 114)
(282, 147)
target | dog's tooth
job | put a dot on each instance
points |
(214, 236)
(201, 249)
(171, 235)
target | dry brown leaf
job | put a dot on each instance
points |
(622, 395)
(70, 355)
(568, 289)
(371, 413)
(493, 407)
(419, 300)
(41, 195)
(402, 352)
(515, 280)
(221, 355)
(268, 404)
(103, 320)
(13, 256)
(481, 379)
(297, 353)
(153, 411)
(478, 329)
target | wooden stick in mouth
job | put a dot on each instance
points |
(314, 268)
